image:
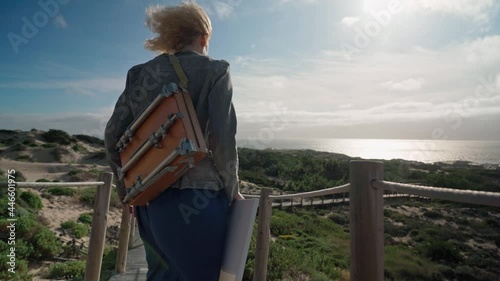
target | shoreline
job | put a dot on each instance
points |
(485, 165)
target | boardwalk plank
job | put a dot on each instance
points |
(137, 266)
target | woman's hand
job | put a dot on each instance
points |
(126, 206)
(238, 196)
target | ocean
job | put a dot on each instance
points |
(428, 151)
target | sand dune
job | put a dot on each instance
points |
(50, 171)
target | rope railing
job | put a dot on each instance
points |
(456, 195)
(316, 193)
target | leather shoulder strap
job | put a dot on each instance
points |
(183, 80)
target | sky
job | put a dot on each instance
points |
(403, 69)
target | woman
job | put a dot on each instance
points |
(183, 229)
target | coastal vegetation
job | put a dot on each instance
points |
(424, 239)
(36, 243)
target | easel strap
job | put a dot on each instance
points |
(183, 80)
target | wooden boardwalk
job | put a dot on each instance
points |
(137, 266)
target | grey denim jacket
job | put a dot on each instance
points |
(211, 91)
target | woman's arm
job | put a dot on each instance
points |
(222, 128)
(120, 119)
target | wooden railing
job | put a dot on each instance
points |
(366, 200)
(99, 219)
(366, 208)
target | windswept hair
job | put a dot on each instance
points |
(176, 26)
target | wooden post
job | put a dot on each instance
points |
(121, 256)
(323, 200)
(301, 201)
(281, 201)
(132, 232)
(263, 235)
(367, 221)
(98, 230)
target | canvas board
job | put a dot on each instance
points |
(239, 232)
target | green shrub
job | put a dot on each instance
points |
(78, 148)
(57, 136)
(18, 147)
(32, 200)
(49, 145)
(19, 176)
(497, 241)
(432, 214)
(42, 180)
(89, 139)
(46, 244)
(339, 219)
(29, 142)
(394, 230)
(98, 155)
(74, 172)
(61, 191)
(87, 196)
(108, 262)
(78, 230)
(27, 226)
(24, 158)
(495, 223)
(24, 250)
(85, 218)
(21, 270)
(402, 264)
(73, 270)
(442, 251)
(319, 276)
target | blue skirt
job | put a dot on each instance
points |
(183, 233)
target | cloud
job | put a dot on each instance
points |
(460, 81)
(222, 9)
(482, 50)
(479, 11)
(60, 22)
(296, 1)
(349, 21)
(404, 85)
(91, 86)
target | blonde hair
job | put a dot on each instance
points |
(176, 26)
